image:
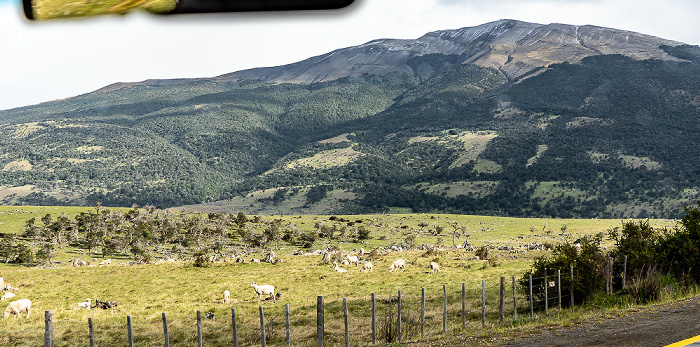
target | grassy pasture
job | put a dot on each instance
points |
(179, 290)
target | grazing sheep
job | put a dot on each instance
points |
(16, 307)
(227, 297)
(434, 267)
(336, 268)
(367, 267)
(7, 295)
(86, 304)
(253, 260)
(264, 289)
(352, 259)
(398, 263)
(106, 262)
(79, 263)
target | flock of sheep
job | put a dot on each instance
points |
(269, 290)
(15, 307)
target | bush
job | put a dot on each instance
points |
(646, 285)
(363, 233)
(588, 269)
(482, 252)
(24, 254)
(201, 259)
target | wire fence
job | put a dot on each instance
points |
(375, 320)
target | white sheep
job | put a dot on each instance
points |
(352, 259)
(106, 262)
(16, 307)
(227, 297)
(264, 289)
(79, 263)
(336, 268)
(398, 263)
(85, 304)
(434, 267)
(367, 267)
(7, 295)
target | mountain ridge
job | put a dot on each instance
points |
(486, 45)
(506, 118)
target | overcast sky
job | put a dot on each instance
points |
(43, 61)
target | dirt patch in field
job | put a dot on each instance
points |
(18, 165)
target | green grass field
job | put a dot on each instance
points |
(144, 292)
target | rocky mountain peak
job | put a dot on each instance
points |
(515, 48)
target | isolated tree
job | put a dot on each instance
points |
(457, 231)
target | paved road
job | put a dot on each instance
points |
(658, 325)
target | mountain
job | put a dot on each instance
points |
(507, 118)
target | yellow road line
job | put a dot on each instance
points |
(685, 342)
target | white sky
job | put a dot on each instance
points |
(42, 61)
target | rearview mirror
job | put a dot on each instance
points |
(50, 9)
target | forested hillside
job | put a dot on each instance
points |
(603, 136)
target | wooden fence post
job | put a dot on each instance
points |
(483, 302)
(624, 274)
(235, 330)
(559, 288)
(262, 327)
(48, 329)
(319, 320)
(546, 290)
(572, 285)
(502, 303)
(288, 326)
(345, 318)
(130, 331)
(444, 309)
(91, 329)
(515, 304)
(374, 325)
(199, 328)
(166, 335)
(532, 305)
(399, 318)
(422, 312)
(464, 322)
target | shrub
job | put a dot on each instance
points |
(482, 252)
(646, 285)
(363, 233)
(588, 269)
(201, 259)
